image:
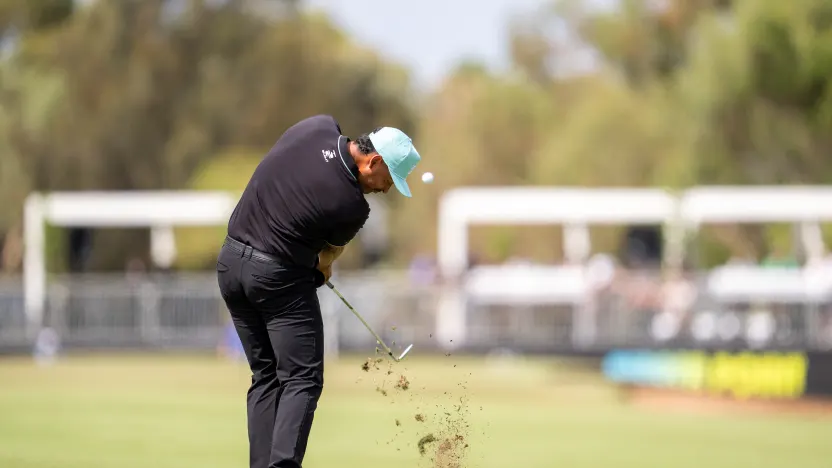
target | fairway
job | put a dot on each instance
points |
(167, 411)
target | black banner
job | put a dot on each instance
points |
(819, 375)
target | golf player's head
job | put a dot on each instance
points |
(385, 157)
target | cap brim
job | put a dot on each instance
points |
(401, 185)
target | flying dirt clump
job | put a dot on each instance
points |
(370, 363)
(428, 439)
(450, 435)
(447, 455)
(403, 383)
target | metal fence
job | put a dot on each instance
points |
(12, 318)
(186, 312)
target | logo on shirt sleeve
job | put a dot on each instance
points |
(328, 154)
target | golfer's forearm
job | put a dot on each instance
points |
(330, 253)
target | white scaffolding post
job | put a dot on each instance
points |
(159, 211)
(575, 209)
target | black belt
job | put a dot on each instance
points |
(249, 251)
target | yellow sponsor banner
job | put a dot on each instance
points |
(750, 375)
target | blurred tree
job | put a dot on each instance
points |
(709, 95)
(140, 95)
(643, 39)
(530, 48)
(27, 98)
(145, 93)
(759, 90)
(26, 15)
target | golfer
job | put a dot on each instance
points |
(302, 206)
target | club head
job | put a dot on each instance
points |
(407, 350)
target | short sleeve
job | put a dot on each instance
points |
(345, 231)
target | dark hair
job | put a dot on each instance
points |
(364, 143)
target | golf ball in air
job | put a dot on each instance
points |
(427, 177)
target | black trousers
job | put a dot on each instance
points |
(278, 318)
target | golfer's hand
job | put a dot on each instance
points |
(326, 271)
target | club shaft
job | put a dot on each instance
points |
(349, 306)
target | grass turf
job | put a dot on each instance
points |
(189, 411)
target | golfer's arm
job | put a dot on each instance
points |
(346, 232)
(330, 253)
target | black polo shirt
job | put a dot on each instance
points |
(303, 195)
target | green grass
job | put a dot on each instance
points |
(186, 411)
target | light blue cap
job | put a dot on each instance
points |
(398, 152)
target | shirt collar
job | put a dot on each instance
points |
(346, 158)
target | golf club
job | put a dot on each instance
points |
(378, 339)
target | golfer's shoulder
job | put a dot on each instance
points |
(320, 124)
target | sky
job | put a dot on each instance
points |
(430, 36)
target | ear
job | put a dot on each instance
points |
(375, 160)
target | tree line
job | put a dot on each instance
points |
(157, 94)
